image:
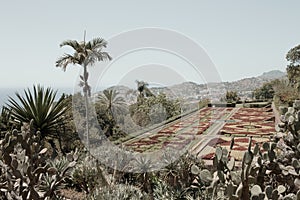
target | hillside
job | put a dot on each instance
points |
(274, 74)
(193, 91)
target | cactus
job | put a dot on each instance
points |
(269, 164)
(223, 180)
(24, 169)
(265, 173)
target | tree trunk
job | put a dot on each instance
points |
(87, 120)
(86, 96)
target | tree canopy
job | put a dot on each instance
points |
(231, 96)
(85, 53)
(264, 92)
(293, 68)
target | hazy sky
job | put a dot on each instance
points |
(242, 38)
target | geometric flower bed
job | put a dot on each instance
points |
(250, 122)
(240, 145)
(178, 134)
(256, 122)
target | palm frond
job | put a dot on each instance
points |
(95, 56)
(111, 100)
(84, 53)
(65, 60)
(96, 44)
(72, 43)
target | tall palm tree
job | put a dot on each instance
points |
(85, 54)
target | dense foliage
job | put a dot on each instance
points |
(231, 96)
(109, 105)
(293, 69)
(154, 109)
(265, 92)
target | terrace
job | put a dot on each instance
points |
(203, 130)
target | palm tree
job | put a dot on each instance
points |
(85, 54)
(39, 105)
(110, 102)
(143, 89)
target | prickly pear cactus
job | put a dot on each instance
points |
(288, 146)
(267, 171)
(288, 135)
(222, 181)
(272, 170)
(23, 167)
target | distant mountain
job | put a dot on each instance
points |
(192, 91)
(250, 84)
(274, 74)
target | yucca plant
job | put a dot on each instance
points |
(40, 106)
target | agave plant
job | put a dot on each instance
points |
(40, 106)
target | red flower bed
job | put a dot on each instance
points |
(243, 140)
(246, 121)
(166, 132)
(209, 156)
(158, 136)
(245, 133)
(223, 132)
(215, 141)
(240, 148)
(200, 131)
(248, 126)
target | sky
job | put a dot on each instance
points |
(242, 38)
